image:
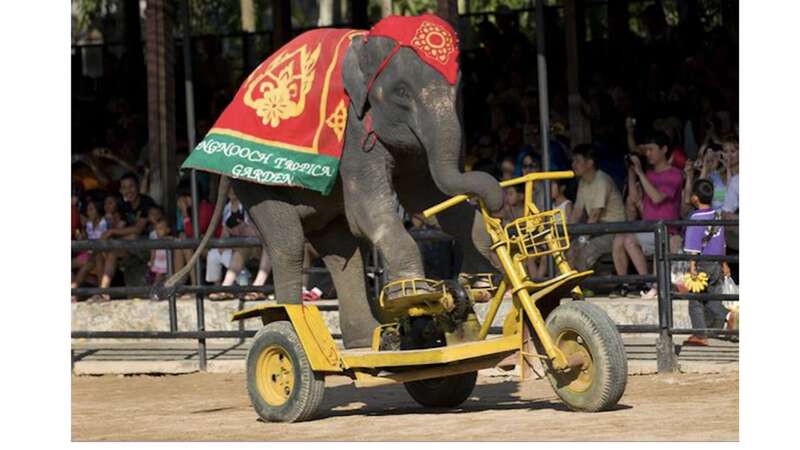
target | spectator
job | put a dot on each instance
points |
(513, 203)
(158, 258)
(204, 212)
(529, 164)
(237, 224)
(135, 207)
(657, 196)
(598, 201)
(233, 215)
(708, 240)
(96, 225)
(558, 193)
(507, 168)
(730, 208)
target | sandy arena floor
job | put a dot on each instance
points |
(213, 407)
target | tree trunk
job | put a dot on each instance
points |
(359, 16)
(386, 8)
(579, 131)
(282, 23)
(448, 10)
(326, 13)
(248, 17)
(160, 60)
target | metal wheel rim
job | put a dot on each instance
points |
(274, 375)
(577, 379)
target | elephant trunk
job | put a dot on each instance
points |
(445, 162)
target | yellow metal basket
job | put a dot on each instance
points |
(538, 234)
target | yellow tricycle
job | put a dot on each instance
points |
(432, 341)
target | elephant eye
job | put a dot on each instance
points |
(402, 92)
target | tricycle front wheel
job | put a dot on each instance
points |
(586, 333)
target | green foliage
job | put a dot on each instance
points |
(413, 7)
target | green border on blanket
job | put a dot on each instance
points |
(260, 163)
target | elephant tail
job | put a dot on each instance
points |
(167, 288)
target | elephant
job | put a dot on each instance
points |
(411, 154)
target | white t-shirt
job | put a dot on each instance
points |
(732, 195)
(94, 232)
(160, 259)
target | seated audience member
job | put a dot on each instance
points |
(598, 200)
(236, 224)
(154, 215)
(204, 212)
(158, 257)
(507, 168)
(657, 194)
(730, 207)
(529, 164)
(95, 226)
(135, 207)
(558, 193)
(233, 215)
(705, 240)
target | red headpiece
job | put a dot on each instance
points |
(429, 36)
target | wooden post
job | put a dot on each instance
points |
(282, 23)
(160, 59)
(579, 130)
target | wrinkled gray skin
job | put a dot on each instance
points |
(416, 162)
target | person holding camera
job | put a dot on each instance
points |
(598, 200)
(656, 194)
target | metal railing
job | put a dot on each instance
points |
(665, 348)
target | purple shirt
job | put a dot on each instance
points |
(693, 242)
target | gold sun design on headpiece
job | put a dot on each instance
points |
(434, 40)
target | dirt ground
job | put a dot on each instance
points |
(215, 407)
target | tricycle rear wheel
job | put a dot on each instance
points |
(442, 392)
(583, 330)
(281, 384)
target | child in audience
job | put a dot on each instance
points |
(95, 226)
(158, 258)
(705, 240)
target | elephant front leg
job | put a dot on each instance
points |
(376, 218)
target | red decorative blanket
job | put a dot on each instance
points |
(285, 126)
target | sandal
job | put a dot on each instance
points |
(221, 296)
(253, 296)
(99, 298)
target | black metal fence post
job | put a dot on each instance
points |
(666, 360)
(173, 308)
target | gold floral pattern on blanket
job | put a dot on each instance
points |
(278, 92)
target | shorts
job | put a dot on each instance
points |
(648, 242)
(216, 259)
(587, 254)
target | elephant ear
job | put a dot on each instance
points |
(353, 75)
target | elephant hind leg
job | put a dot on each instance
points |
(340, 251)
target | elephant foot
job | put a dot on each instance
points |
(481, 286)
(396, 289)
(352, 337)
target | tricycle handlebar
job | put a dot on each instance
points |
(531, 177)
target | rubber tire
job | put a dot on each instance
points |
(443, 392)
(607, 351)
(308, 388)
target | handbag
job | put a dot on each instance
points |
(729, 287)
